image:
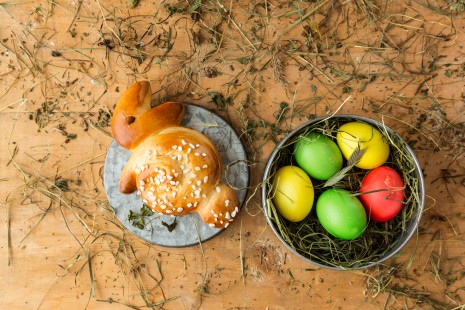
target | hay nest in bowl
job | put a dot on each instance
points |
(379, 241)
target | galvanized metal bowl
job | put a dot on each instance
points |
(398, 231)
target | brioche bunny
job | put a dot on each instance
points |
(175, 170)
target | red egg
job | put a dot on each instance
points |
(382, 193)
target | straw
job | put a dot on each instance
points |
(379, 240)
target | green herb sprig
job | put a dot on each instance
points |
(137, 219)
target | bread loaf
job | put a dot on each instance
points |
(175, 170)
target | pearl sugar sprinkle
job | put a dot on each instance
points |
(161, 186)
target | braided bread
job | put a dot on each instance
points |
(175, 170)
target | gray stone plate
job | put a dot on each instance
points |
(190, 229)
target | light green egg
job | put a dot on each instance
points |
(318, 156)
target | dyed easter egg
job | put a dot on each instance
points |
(292, 193)
(354, 134)
(382, 193)
(317, 155)
(341, 214)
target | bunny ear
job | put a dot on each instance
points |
(134, 120)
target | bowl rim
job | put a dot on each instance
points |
(421, 189)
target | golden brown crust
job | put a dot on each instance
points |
(220, 207)
(175, 170)
(134, 120)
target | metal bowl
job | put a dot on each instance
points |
(403, 154)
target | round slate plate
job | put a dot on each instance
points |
(190, 229)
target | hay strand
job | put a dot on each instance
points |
(309, 239)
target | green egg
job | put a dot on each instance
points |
(318, 156)
(341, 214)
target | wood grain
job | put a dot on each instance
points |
(63, 66)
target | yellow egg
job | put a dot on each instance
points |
(350, 135)
(292, 193)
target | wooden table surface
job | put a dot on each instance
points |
(266, 66)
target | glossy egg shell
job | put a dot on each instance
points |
(318, 156)
(350, 135)
(292, 193)
(341, 214)
(382, 192)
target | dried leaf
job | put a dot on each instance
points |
(194, 6)
(356, 156)
(137, 219)
(146, 211)
(62, 184)
(133, 3)
(353, 160)
(220, 101)
(171, 226)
